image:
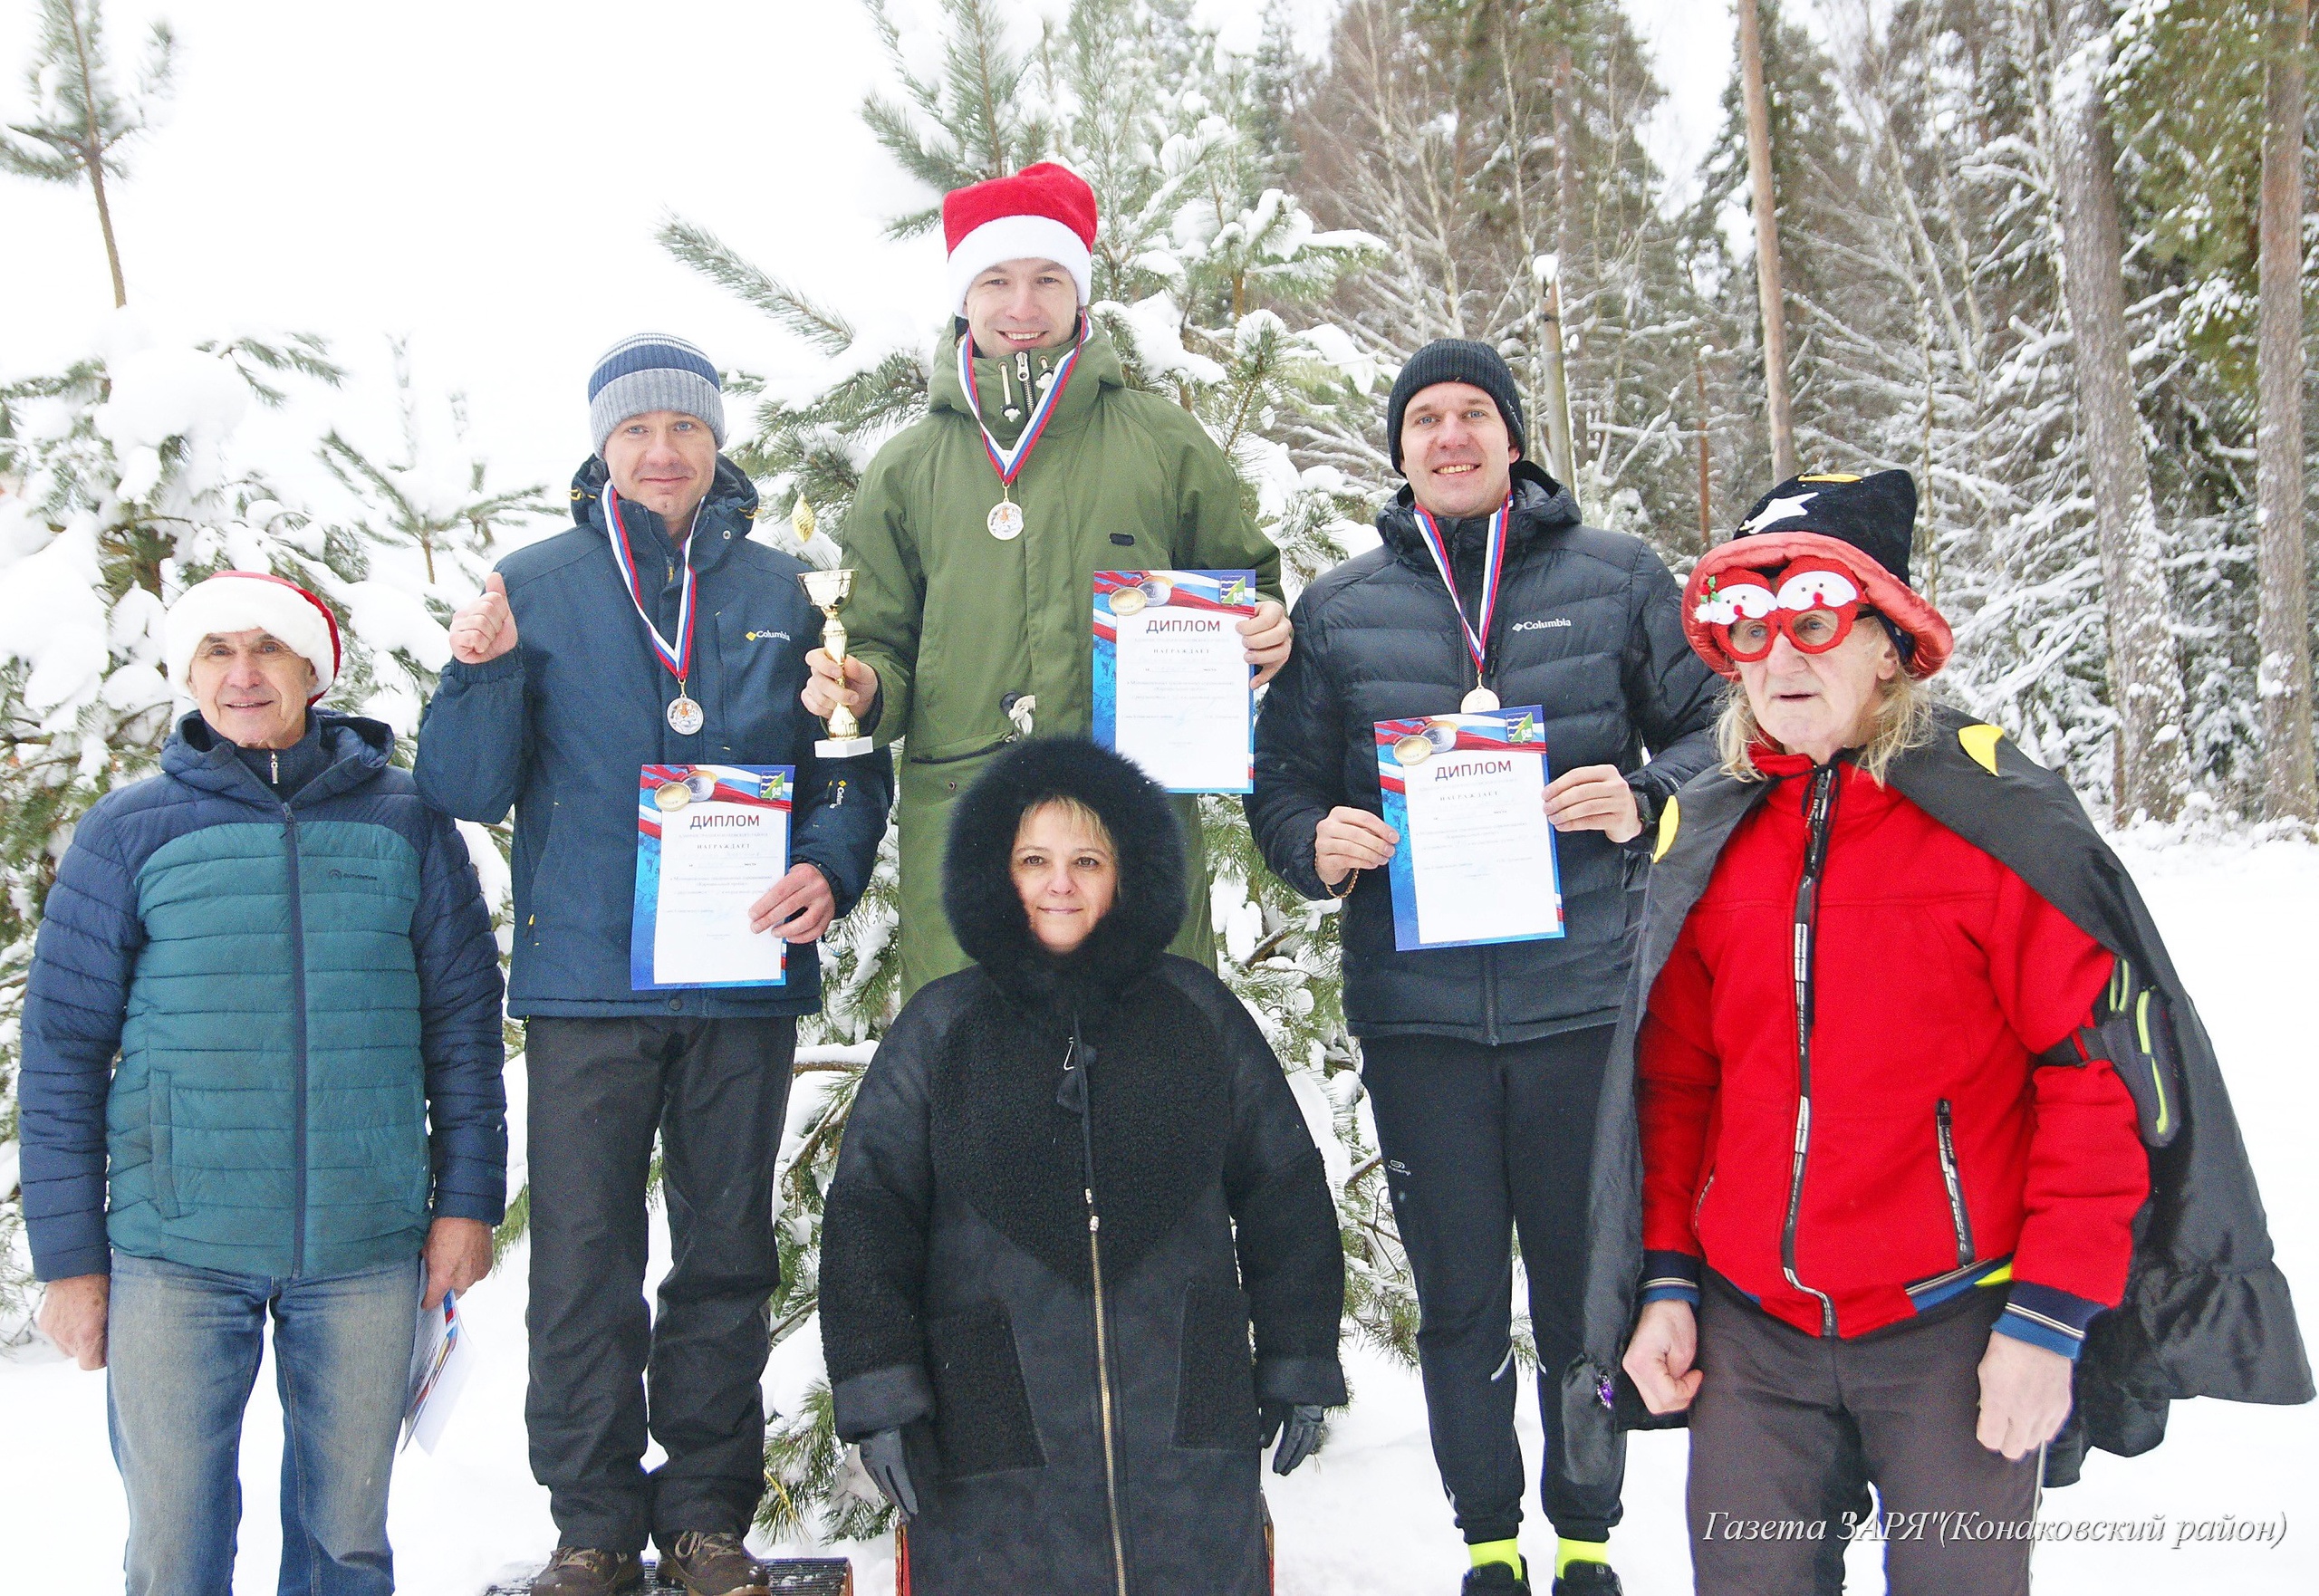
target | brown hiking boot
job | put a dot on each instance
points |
(590, 1571)
(710, 1562)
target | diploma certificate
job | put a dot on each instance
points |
(1476, 863)
(1173, 691)
(710, 838)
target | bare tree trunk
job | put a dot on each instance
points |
(93, 157)
(2284, 631)
(1707, 463)
(2145, 674)
(1767, 288)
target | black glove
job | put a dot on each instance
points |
(882, 1456)
(1299, 1428)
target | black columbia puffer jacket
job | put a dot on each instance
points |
(1589, 627)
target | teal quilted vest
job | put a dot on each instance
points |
(269, 1115)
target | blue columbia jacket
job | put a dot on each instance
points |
(295, 991)
(561, 725)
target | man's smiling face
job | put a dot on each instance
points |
(1022, 304)
(1456, 450)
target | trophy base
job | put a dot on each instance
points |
(842, 747)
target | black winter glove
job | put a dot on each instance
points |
(882, 1456)
(1299, 1428)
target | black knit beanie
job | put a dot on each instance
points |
(1455, 359)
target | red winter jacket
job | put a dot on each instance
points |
(1918, 1147)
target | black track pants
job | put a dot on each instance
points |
(1482, 1143)
(715, 1091)
(1783, 1418)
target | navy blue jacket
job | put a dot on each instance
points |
(1589, 627)
(560, 726)
(294, 987)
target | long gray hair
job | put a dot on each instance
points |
(1904, 721)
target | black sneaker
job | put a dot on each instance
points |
(711, 1562)
(590, 1571)
(1587, 1578)
(1496, 1579)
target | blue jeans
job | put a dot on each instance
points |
(182, 1351)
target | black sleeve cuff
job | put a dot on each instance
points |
(1317, 1382)
(884, 1399)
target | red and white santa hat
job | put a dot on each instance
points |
(243, 600)
(1043, 213)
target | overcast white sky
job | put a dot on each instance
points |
(486, 177)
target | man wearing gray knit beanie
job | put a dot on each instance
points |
(653, 633)
(1483, 1062)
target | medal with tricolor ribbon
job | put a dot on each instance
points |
(1481, 700)
(685, 717)
(1005, 519)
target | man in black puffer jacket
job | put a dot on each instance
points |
(1483, 1063)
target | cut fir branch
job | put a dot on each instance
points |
(80, 121)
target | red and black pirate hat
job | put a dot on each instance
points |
(1862, 523)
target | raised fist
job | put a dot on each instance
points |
(485, 629)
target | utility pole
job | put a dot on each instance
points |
(1561, 462)
(1768, 287)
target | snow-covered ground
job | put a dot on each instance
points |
(1367, 1517)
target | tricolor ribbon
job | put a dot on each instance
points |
(1493, 566)
(1008, 463)
(678, 657)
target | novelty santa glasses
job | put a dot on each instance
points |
(1814, 602)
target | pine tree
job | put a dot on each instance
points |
(80, 123)
(427, 502)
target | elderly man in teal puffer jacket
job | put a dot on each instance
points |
(266, 993)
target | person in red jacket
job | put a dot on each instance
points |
(1888, 1178)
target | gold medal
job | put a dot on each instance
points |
(1005, 520)
(1414, 749)
(1128, 601)
(672, 795)
(685, 717)
(1480, 701)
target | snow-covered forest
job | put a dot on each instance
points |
(2053, 257)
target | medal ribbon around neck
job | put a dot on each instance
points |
(1493, 567)
(678, 659)
(1009, 463)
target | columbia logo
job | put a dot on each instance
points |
(753, 636)
(1541, 625)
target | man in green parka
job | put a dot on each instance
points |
(977, 531)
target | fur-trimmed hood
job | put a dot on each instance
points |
(978, 892)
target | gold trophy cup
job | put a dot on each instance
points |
(827, 591)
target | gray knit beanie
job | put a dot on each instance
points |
(1455, 359)
(653, 372)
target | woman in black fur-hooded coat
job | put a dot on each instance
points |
(965, 1235)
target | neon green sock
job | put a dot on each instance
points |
(1568, 1551)
(1508, 1552)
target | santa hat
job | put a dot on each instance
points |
(244, 601)
(1862, 524)
(1043, 213)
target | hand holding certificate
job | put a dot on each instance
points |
(1476, 863)
(710, 838)
(1172, 687)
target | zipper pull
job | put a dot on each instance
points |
(273, 763)
(838, 802)
(1023, 369)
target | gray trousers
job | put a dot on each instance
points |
(1784, 1420)
(602, 1365)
